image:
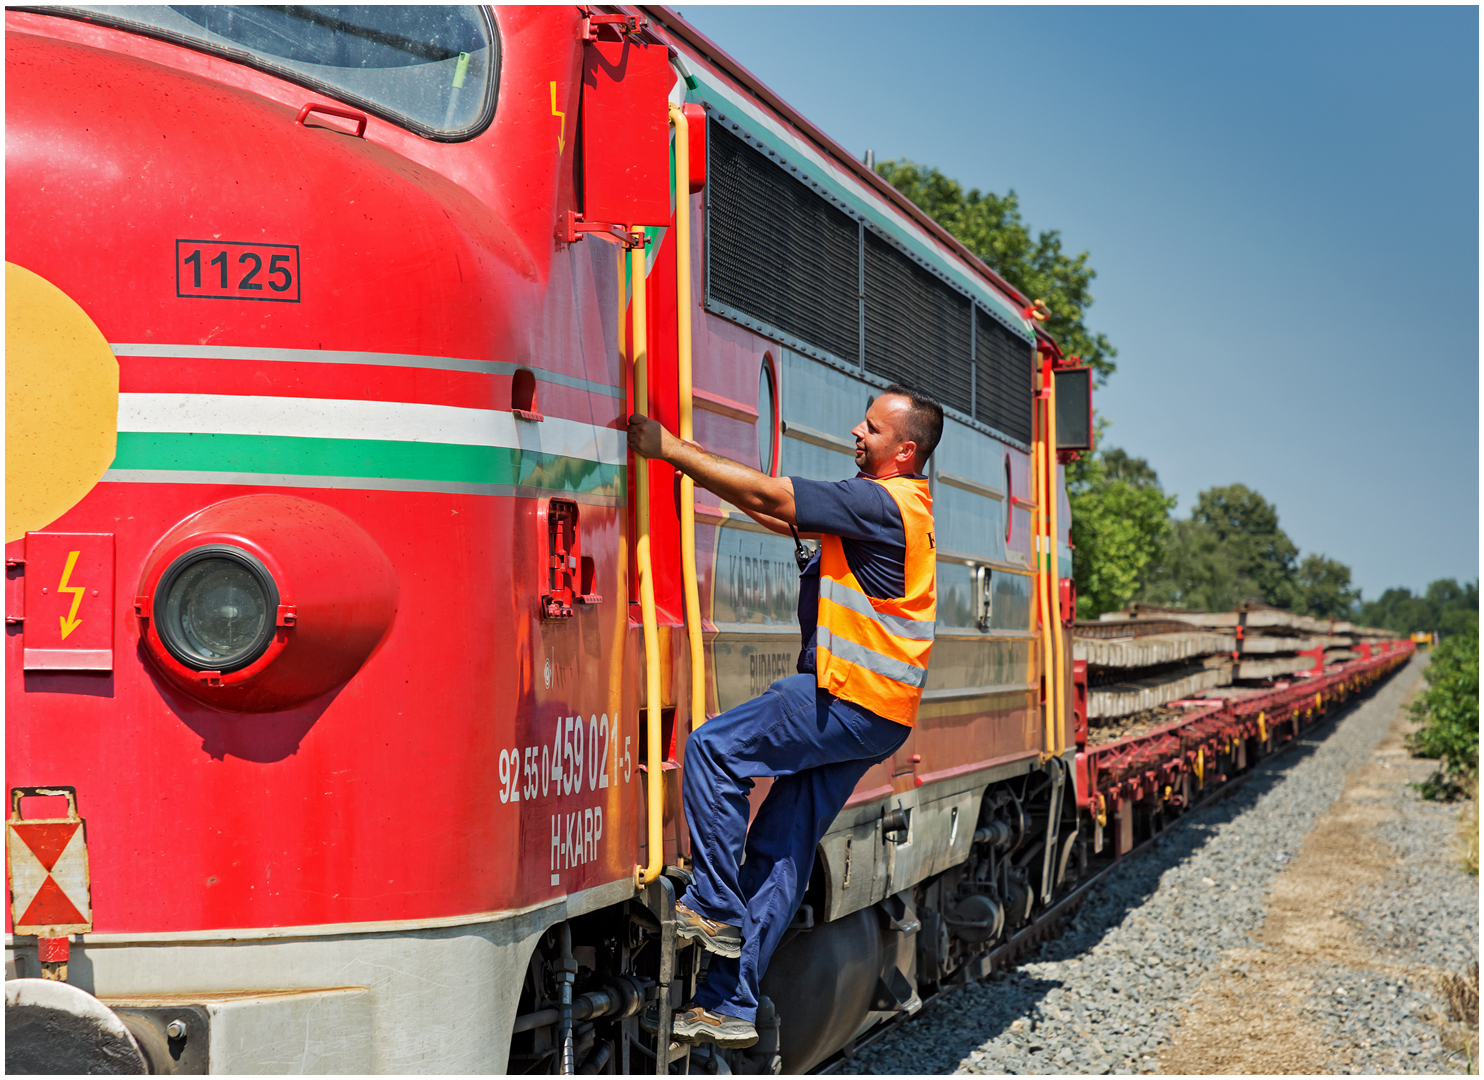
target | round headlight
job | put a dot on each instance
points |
(215, 608)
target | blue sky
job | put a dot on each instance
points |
(1282, 206)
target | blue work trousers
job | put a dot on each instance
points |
(817, 748)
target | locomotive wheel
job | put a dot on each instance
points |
(53, 1027)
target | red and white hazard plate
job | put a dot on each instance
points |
(50, 892)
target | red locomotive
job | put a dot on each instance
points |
(351, 656)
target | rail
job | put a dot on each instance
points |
(687, 417)
(655, 781)
(1155, 765)
(1053, 570)
(1043, 608)
(1043, 537)
(1339, 684)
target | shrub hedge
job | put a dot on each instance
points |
(1449, 712)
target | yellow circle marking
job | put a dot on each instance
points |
(61, 403)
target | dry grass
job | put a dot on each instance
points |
(1461, 992)
(1471, 827)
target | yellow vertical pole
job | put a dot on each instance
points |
(656, 779)
(1053, 574)
(687, 418)
(1043, 607)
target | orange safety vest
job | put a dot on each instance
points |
(870, 651)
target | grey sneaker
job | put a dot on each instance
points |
(716, 937)
(699, 1025)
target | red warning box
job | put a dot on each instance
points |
(50, 890)
(69, 602)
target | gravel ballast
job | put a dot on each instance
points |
(1107, 995)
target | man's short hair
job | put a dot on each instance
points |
(924, 420)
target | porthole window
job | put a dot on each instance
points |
(767, 418)
(215, 608)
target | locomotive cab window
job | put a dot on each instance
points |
(432, 69)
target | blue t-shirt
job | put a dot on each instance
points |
(869, 524)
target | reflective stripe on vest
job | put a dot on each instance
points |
(916, 629)
(873, 651)
(861, 656)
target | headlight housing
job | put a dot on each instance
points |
(215, 608)
(263, 603)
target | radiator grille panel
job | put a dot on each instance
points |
(778, 251)
(781, 253)
(917, 327)
(1004, 379)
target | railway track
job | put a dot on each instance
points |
(1049, 923)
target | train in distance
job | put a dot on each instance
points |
(351, 656)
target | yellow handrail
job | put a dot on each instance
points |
(1053, 574)
(656, 779)
(687, 429)
(1043, 606)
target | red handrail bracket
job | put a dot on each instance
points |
(334, 110)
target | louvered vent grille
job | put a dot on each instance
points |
(778, 251)
(917, 327)
(1004, 379)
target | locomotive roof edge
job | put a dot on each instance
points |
(972, 271)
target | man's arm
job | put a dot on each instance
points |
(780, 527)
(747, 489)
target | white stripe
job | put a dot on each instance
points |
(27, 875)
(70, 872)
(397, 421)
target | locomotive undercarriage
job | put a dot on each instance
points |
(590, 982)
(837, 973)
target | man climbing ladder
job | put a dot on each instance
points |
(867, 609)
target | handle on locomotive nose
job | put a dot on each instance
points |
(334, 110)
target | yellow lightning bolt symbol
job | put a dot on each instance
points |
(561, 134)
(70, 621)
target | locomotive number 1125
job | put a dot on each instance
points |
(231, 270)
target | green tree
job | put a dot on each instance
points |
(991, 227)
(1456, 606)
(1228, 551)
(1120, 518)
(1246, 525)
(1196, 570)
(1446, 606)
(1323, 589)
(1449, 712)
(1135, 470)
(1397, 610)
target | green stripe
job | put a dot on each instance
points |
(365, 457)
